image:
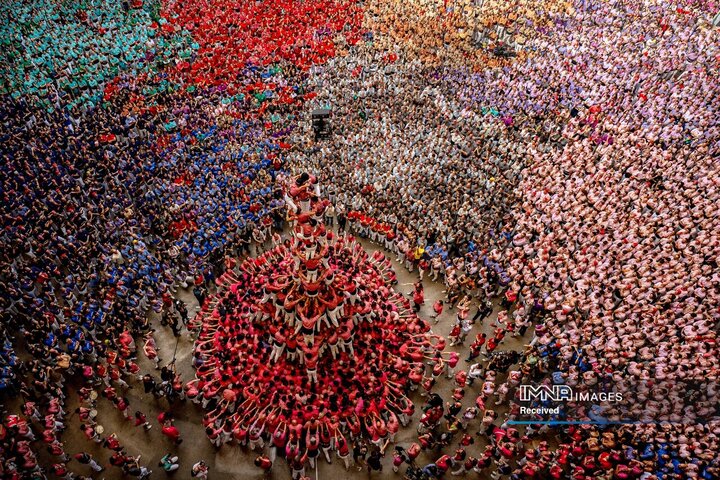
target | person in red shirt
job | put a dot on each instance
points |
(141, 419)
(311, 360)
(476, 346)
(56, 448)
(393, 425)
(297, 465)
(492, 344)
(325, 440)
(112, 443)
(171, 431)
(279, 439)
(60, 471)
(123, 405)
(454, 334)
(343, 450)
(263, 462)
(438, 309)
(418, 296)
(119, 459)
(443, 463)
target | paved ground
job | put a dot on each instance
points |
(230, 461)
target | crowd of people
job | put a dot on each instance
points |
(580, 181)
(115, 194)
(574, 181)
(307, 348)
(62, 55)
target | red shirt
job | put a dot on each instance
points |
(171, 432)
(265, 463)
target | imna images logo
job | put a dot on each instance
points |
(559, 393)
(554, 393)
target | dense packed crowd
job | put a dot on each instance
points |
(61, 56)
(308, 344)
(145, 143)
(114, 195)
(101, 226)
(610, 258)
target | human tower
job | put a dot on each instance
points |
(310, 336)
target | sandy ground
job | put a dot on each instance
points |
(234, 462)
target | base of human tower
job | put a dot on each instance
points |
(309, 342)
